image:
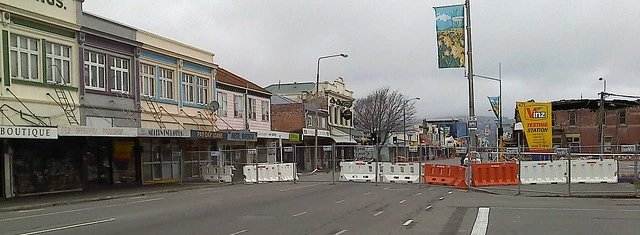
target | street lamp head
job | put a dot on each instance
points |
(417, 98)
(344, 55)
(600, 79)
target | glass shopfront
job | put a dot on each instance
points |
(160, 159)
(109, 161)
(42, 166)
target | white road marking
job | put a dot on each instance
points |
(76, 210)
(148, 200)
(400, 202)
(367, 193)
(341, 232)
(377, 214)
(449, 192)
(565, 209)
(482, 222)
(140, 197)
(418, 194)
(27, 211)
(305, 186)
(428, 208)
(239, 232)
(407, 223)
(341, 201)
(71, 226)
(299, 214)
(430, 189)
(441, 198)
(45, 214)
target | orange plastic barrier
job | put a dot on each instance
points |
(450, 175)
(494, 174)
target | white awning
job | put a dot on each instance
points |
(343, 139)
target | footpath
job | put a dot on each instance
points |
(56, 199)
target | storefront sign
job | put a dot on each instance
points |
(58, 9)
(207, 135)
(273, 135)
(339, 102)
(241, 136)
(294, 137)
(146, 132)
(536, 123)
(28, 132)
(97, 131)
(310, 132)
(288, 149)
(252, 151)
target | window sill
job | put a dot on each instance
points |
(40, 84)
(192, 105)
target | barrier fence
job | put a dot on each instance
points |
(524, 173)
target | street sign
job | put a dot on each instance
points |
(512, 150)
(461, 150)
(252, 151)
(628, 148)
(215, 153)
(561, 151)
(288, 149)
(327, 148)
(413, 149)
(368, 148)
(347, 114)
(473, 124)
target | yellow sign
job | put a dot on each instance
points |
(536, 124)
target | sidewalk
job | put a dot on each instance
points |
(56, 199)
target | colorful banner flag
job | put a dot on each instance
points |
(450, 32)
(536, 124)
(495, 105)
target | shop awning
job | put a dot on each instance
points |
(354, 132)
(343, 139)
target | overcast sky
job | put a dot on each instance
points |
(549, 49)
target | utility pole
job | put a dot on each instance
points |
(472, 131)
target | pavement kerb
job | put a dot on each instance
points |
(93, 199)
(575, 195)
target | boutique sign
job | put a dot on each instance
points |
(28, 132)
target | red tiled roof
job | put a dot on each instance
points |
(227, 77)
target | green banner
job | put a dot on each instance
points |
(450, 32)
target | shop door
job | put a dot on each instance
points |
(98, 163)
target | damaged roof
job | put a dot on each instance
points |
(593, 104)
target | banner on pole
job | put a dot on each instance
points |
(495, 105)
(450, 33)
(536, 122)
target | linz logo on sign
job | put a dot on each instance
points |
(537, 112)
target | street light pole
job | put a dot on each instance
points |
(601, 116)
(472, 132)
(315, 156)
(404, 125)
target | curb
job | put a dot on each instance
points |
(104, 198)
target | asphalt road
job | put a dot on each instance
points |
(321, 208)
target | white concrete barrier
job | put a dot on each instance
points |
(357, 171)
(401, 172)
(543, 172)
(249, 172)
(216, 173)
(594, 171)
(287, 172)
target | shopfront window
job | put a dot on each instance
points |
(52, 166)
(161, 159)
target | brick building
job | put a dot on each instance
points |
(576, 124)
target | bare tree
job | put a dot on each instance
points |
(381, 112)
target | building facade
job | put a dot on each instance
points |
(576, 125)
(296, 117)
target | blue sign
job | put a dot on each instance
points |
(241, 136)
(207, 134)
